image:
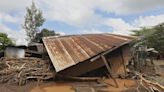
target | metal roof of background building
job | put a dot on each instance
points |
(66, 51)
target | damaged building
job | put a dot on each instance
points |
(78, 63)
(76, 55)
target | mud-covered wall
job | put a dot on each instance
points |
(126, 53)
(118, 59)
(115, 62)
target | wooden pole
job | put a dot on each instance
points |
(109, 70)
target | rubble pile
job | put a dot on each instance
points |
(15, 70)
(147, 85)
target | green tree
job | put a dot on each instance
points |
(143, 32)
(33, 20)
(5, 41)
(156, 40)
(152, 37)
(44, 33)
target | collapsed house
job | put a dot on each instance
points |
(76, 55)
(71, 56)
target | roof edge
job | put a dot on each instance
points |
(110, 50)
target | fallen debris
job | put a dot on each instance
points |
(14, 70)
(71, 78)
(149, 85)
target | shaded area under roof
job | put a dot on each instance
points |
(66, 51)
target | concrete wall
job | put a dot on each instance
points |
(13, 52)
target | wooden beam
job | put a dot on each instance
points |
(109, 70)
(64, 77)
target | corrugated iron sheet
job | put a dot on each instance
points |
(66, 51)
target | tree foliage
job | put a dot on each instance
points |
(5, 41)
(33, 20)
(152, 37)
(44, 33)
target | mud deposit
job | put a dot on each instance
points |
(52, 87)
(123, 85)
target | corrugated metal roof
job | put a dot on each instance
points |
(66, 51)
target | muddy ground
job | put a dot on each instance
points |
(124, 85)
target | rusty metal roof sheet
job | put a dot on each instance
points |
(66, 51)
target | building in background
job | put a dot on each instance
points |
(15, 51)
